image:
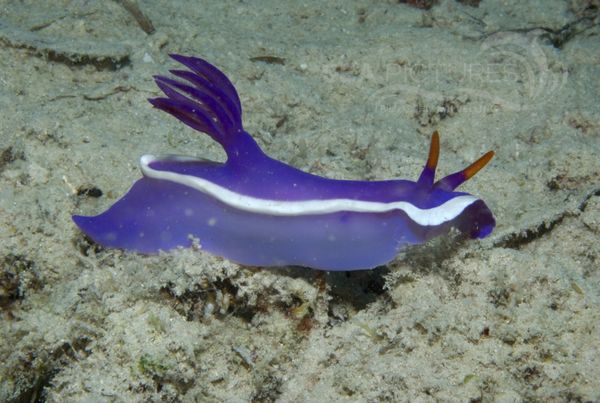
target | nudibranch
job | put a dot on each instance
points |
(258, 211)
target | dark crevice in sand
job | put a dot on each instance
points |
(104, 55)
(558, 37)
(518, 239)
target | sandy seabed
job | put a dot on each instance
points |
(345, 89)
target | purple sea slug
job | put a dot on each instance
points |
(255, 210)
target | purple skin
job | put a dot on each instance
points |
(158, 214)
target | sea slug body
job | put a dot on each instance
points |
(255, 210)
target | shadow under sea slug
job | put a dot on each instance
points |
(255, 210)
